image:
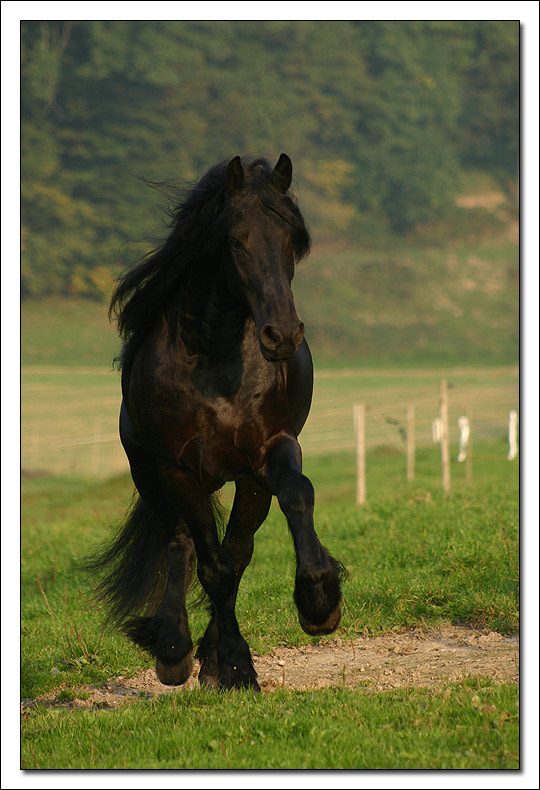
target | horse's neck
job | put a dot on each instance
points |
(214, 324)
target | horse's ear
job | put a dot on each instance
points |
(283, 172)
(235, 176)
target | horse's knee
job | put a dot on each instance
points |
(217, 578)
(296, 496)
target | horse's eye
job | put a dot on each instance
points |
(236, 245)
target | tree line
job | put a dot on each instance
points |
(379, 119)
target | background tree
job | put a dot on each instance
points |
(377, 116)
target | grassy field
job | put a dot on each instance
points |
(451, 303)
(414, 557)
(462, 727)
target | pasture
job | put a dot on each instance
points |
(416, 560)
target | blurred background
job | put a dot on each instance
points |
(404, 137)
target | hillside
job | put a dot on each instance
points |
(452, 304)
(430, 300)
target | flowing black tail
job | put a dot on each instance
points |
(135, 565)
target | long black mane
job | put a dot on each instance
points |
(199, 226)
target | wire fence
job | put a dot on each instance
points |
(71, 427)
(404, 439)
(387, 420)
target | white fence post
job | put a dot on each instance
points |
(464, 433)
(468, 462)
(437, 429)
(359, 414)
(445, 458)
(512, 435)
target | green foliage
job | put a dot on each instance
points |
(403, 122)
(487, 133)
(376, 116)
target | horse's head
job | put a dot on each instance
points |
(267, 236)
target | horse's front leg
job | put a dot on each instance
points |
(317, 591)
(250, 508)
(216, 571)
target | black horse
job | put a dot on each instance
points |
(217, 383)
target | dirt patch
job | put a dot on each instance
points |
(488, 200)
(416, 658)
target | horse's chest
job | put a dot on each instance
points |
(246, 420)
(212, 436)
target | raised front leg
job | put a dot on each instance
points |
(250, 508)
(317, 592)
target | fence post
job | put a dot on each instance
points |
(445, 458)
(512, 435)
(359, 414)
(468, 462)
(464, 432)
(411, 439)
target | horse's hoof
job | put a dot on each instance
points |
(239, 677)
(208, 681)
(247, 682)
(209, 672)
(230, 679)
(319, 629)
(174, 674)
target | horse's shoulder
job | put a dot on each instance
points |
(300, 385)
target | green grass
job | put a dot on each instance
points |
(61, 331)
(413, 556)
(461, 727)
(452, 304)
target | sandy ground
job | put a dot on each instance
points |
(416, 658)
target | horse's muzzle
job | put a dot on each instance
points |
(277, 346)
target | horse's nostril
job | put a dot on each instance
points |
(299, 336)
(270, 337)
